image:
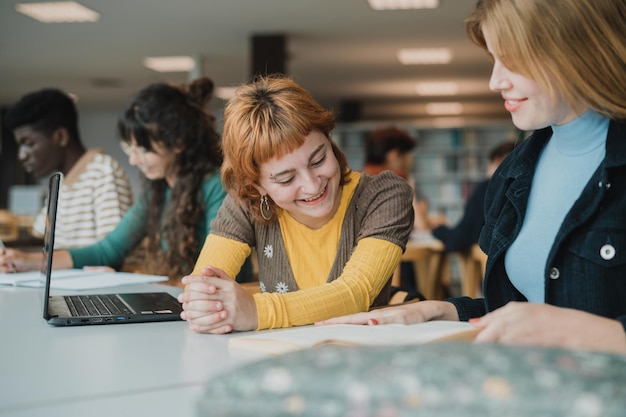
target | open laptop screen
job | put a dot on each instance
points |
(86, 309)
(48, 239)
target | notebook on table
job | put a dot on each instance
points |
(87, 309)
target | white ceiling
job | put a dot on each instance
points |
(338, 49)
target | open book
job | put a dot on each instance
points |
(286, 340)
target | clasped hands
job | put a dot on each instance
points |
(215, 303)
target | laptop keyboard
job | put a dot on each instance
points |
(96, 305)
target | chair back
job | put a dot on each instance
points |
(9, 226)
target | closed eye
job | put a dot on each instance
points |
(285, 182)
(319, 161)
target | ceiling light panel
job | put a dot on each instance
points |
(58, 12)
(448, 122)
(424, 56)
(170, 63)
(444, 109)
(225, 93)
(403, 4)
(443, 88)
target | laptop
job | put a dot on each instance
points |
(88, 309)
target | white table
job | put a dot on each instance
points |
(155, 369)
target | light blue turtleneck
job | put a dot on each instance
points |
(568, 160)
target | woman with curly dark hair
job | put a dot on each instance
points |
(168, 134)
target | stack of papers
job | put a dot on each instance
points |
(78, 279)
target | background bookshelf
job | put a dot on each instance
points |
(448, 162)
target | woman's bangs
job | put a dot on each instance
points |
(277, 141)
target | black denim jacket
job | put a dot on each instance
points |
(586, 267)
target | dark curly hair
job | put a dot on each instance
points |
(44, 110)
(175, 117)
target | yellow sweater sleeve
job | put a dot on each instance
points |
(223, 253)
(364, 275)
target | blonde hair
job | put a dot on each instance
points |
(575, 49)
(268, 118)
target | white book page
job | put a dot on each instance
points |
(96, 279)
(17, 278)
(286, 340)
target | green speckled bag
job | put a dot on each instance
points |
(426, 380)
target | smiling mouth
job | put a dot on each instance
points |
(513, 104)
(315, 197)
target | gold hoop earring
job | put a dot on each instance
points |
(264, 206)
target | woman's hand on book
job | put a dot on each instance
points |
(409, 313)
(521, 323)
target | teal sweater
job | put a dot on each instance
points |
(112, 250)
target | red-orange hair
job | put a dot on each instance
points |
(268, 118)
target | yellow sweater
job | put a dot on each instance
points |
(311, 254)
(372, 263)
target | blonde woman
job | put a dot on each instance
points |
(555, 231)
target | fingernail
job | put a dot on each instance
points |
(474, 320)
(373, 322)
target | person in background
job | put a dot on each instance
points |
(328, 239)
(554, 218)
(391, 149)
(466, 232)
(169, 135)
(95, 192)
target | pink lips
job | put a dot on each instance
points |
(312, 202)
(512, 105)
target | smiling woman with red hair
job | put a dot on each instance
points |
(328, 239)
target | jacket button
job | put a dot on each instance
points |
(607, 252)
(554, 273)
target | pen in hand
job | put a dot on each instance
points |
(3, 250)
